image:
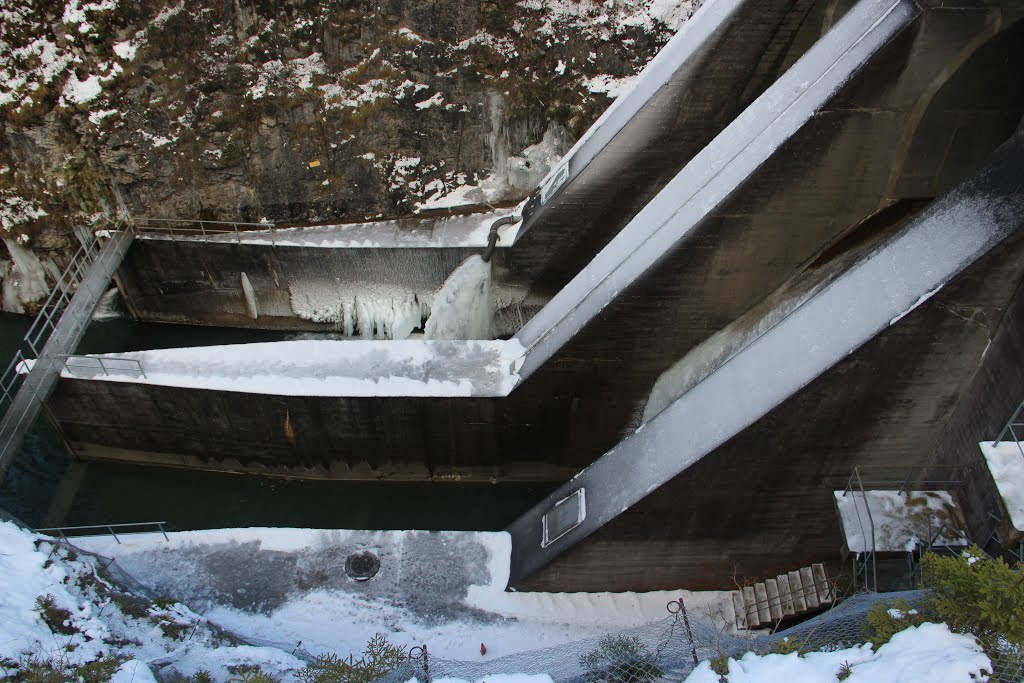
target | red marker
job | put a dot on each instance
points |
(483, 649)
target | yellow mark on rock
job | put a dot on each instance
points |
(314, 163)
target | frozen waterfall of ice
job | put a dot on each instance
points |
(463, 308)
(26, 280)
(371, 310)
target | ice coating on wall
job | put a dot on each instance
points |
(371, 310)
(464, 307)
(27, 280)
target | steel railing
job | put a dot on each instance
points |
(197, 229)
(1013, 426)
(865, 560)
(901, 480)
(94, 365)
(59, 530)
(46, 320)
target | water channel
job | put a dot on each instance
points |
(44, 487)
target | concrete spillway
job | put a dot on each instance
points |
(875, 293)
(807, 165)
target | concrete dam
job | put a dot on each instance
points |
(789, 253)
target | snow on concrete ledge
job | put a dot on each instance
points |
(444, 588)
(411, 367)
(1006, 463)
(901, 520)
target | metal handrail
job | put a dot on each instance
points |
(903, 483)
(1010, 424)
(871, 521)
(205, 230)
(109, 527)
(43, 325)
(72, 361)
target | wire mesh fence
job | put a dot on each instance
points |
(669, 650)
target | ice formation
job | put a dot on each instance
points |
(464, 308)
(371, 310)
(26, 282)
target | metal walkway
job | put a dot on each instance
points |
(88, 277)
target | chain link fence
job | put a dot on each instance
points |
(669, 650)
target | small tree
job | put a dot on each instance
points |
(620, 659)
(379, 659)
(973, 593)
(886, 618)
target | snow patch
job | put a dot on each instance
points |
(920, 654)
(1006, 463)
(126, 50)
(26, 280)
(893, 521)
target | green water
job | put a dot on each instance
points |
(107, 493)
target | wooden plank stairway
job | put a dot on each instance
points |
(787, 595)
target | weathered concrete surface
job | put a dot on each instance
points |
(909, 124)
(762, 503)
(428, 573)
(980, 414)
(199, 283)
(920, 117)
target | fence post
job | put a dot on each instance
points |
(161, 526)
(689, 633)
(111, 530)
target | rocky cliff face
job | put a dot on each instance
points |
(294, 111)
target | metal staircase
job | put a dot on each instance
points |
(53, 336)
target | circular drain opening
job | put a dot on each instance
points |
(362, 566)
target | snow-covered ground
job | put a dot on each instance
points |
(445, 589)
(98, 620)
(928, 653)
(453, 600)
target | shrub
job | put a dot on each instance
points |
(620, 659)
(844, 671)
(251, 674)
(886, 618)
(32, 669)
(787, 645)
(57, 618)
(379, 659)
(975, 594)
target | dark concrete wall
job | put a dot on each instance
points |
(762, 503)
(200, 283)
(836, 171)
(921, 116)
(984, 407)
(740, 61)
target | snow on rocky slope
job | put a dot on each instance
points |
(296, 111)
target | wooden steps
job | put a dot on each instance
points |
(787, 595)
